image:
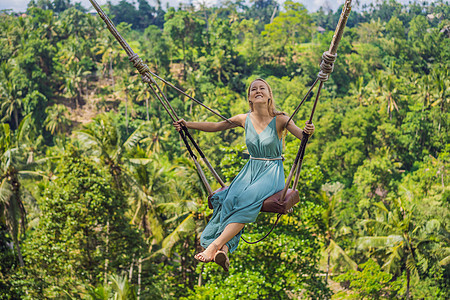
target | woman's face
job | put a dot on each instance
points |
(259, 93)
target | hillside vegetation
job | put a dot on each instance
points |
(99, 198)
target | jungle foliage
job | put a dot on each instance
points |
(99, 199)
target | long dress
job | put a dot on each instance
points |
(257, 180)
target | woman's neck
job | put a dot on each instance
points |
(260, 111)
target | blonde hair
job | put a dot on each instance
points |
(271, 105)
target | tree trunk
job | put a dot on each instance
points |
(16, 118)
(107, 253)
(130, 275)
(126, 110)
(111, 71)
(146, 106)
(19, 252)
(200, 278)
(408, 279)
(184, 62)
(139, 278)
(328, 267)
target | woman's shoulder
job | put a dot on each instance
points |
(239, 119)
(282, 118)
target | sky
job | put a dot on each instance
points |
(311, 5)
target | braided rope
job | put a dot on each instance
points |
(326, 66)
(142, 68)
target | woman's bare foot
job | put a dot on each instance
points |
(207, 255)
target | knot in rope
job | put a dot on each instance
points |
(326, 66)
(147, 79)
(139, 64)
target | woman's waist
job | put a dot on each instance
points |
(266, 158)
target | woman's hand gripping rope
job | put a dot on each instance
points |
(179, 124)
(309, 128)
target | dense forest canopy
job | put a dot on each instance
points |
(99, 199)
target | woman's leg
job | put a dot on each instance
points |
(228, 233)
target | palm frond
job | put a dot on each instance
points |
(5, 191)
(411, 265)
(87, 138)
(338, 255)
(34, 174)
(445, 261)
(140, 161)
(393, 259)
(185, 227)
(378, 241)
(136, 136)
(23, 125)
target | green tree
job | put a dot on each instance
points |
(401, 242)
(262, 11)
(11, 95)
(104, 140)
(110, 51)
(369, 282)
(395, 29)
(14, 166)
(83, 233)
(57, 119)
(332, 228)
(12, 209)
(288, 29)
(184, 29)
(118, 288)
(155, 49)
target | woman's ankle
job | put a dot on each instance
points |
(224, 248)
(214, 246)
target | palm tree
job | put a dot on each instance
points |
(158, 137)
(399, 241)
(12, 193)
(150, 181)
(103, 139)
(117, 287)
(109, 49)
(383, 90)
(11, 95)
(440, 84)
(423, 84)
(12, 209)
(128, 84)
(57, 120)
(333, 228)
(358, 90)
(162, 188)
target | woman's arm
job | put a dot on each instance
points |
(292, 128)
(212, 126)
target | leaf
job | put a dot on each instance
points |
(445, 261)
(336, 253)
(186, 226)
(5, 191)
(378, 241)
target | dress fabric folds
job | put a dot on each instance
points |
(257, 180)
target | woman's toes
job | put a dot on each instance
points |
(202, 257)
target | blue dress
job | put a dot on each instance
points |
(257, 180)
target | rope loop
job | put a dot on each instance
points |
(139, 64)
(326, 66)
(147, 79)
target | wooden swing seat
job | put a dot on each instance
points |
(272, 204)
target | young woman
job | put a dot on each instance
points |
(260, 178)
